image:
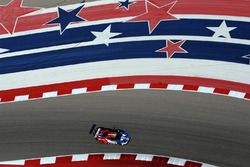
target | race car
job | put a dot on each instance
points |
(111, 136)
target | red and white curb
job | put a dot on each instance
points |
(175, 83)
(164, 161)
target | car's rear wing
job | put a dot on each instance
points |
(94, 130)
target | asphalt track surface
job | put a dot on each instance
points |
(207, 128)
(46, 3)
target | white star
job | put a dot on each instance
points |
(247, 57)
(104, 36)
(3, 50)
(223, 30)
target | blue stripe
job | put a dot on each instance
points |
(145, 49)
(129, 29)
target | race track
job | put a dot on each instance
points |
(47, 3)
(207, 128)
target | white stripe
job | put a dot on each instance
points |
(204, 89)
(47, 160)
(109, 87)
(80, 157)
(22, 98)
(236, 94)
(18, 162)
(49, 94)
(79, 90)
(127, 39)
(180, 37)
(176, 161)
(174, 87)
(114, 68)
(142, 86)
(144, 157)
(111, 156)
(207, 165)
(212, 17)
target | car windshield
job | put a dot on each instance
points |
(118, 136)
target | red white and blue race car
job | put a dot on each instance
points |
(111, 136)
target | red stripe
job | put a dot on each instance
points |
(96, 160)
(160, 160)
(102, 12)
(64, 92)
(192, 164)
(14, 166)
(190, 83)
(159, 85)
(62, 160)
(247, 96)
(190, 87)
(95, 157)
(115, 163)
(221, 91)
(7, 98)
(93, 88)
(214, 83)
(127, 157)
(33, 162)
(125, 86)
(36, 94)
(213, 7)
